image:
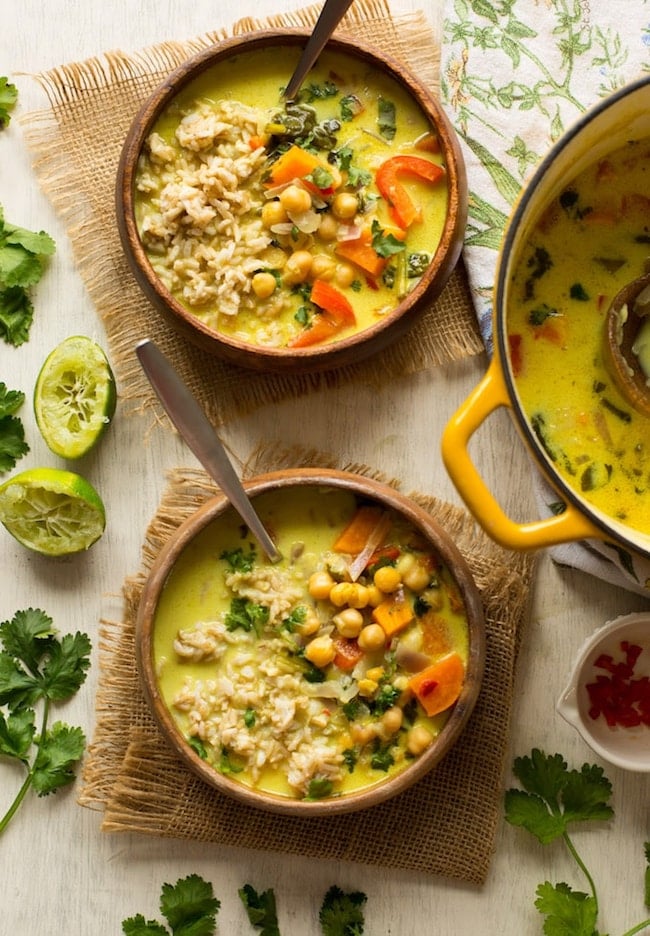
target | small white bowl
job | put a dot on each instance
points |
(628, 748)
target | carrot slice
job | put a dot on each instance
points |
(294, 164)
(322, 329)
(402, 209)
(355, 535)
(363, 254)
(393, 614)
(438, 686)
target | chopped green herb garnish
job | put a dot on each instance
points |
(350, 106)
(539, 314)
(319, 787)
(577, 291)
(417, 264)
(350, 758)
(238, 560)
(260, 909)
(386, 118)
(226, 765)
(247, 615)
(197, 745)
(294, 619)
(250, 717)
(385, 245)
(382, 757)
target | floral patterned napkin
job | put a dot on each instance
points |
(514, 77)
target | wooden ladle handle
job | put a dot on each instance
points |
(623, 323)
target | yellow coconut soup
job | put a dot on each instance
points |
(295, 679)
(592, 241)
(291, 224)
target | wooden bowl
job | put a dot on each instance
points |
(352, 348)
(191, 554)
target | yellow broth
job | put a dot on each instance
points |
(255, 80)
(305, 522)
(592, 241)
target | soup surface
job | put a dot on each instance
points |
(592, 241)
(291, 223)
(292, 678)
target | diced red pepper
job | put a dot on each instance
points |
(337, 314)
(620, 697)
(348, 652)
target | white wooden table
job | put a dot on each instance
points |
(60, 874)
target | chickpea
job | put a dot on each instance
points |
(418, 740)
(322, 267)
(295, 199)
(357, 595)
(417, 577)
(320, 585)
(375, 596)
(311, 624)
(328, 228)
(345, 205)
(263, 285)
(340, 593)
(320, 651)
(344, 275)
(372, 637)
(297, 267)
(362, 734)
(391, 720)
(387, 579)
(273, 213)
(367, 687)
(375, 672)
(348, 622)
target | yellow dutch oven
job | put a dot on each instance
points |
(606, 127)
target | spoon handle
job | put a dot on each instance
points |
(330, 16)
(196, 429)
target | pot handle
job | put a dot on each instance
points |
(489, 395)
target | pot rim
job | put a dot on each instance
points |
(633, 540)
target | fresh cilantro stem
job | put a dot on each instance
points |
(552, 798)
(38, 669)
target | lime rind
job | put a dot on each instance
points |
(52, 511)
(74, 397)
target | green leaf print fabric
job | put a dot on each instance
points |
(515, 75)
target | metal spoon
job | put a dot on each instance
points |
(195, 427)
(330, 16)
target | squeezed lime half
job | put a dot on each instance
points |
(52, 511)
(74, 397)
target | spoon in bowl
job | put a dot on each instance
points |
(330, 16)
(197, 430)
(627, 321)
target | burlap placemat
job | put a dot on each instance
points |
(76, 144)
(445, 825)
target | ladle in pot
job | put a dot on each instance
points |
(627, 328)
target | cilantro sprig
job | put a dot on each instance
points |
(553, 799)
(39, 669)
(189, 906)
(12, 431)
(8, 98)
(22, 255)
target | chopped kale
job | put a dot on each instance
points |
(238, 560)
(539, 314)
(350, 758)
(578, 292)
(319, 787)
(386, 118)
(197, 745)
(417, 264)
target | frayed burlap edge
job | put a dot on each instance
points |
(140, 785)
(76, 145)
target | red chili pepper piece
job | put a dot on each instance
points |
(619, 697)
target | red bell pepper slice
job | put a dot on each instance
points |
(403, 211)
(337, 314)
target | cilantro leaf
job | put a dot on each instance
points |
(21, 266)
(260, 909)
(567, 912)
(341, 914)
(65, 670)
(27, 636)
(556, 796)
(138, 926)
(16, 315)
(59, 750)
(385, 245)
(17, 734)
(189, 906)
(10, 400)
(12, 442)
(17, 688)
(8, 98)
